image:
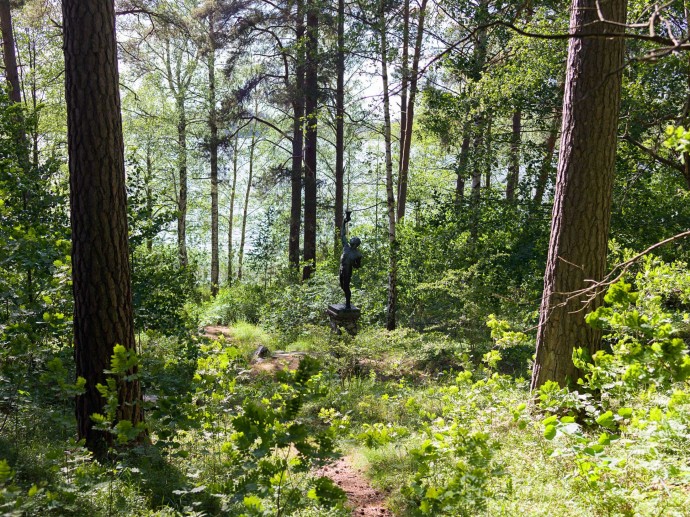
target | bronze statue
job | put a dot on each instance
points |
(351, 258)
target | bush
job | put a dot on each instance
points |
(160, 290)
(240, 302)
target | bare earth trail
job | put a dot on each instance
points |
(361, 496)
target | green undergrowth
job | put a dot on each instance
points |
(438, 426)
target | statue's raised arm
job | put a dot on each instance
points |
(343, 229)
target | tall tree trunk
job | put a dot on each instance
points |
(148, 178)
(477, 169)
(34, 102)
(245, 211)
(297, 143)
(14, 87)
(476, 71)
(392, 305)
(584, 183)
(462, 167)
(514, 159)
(487, 154)
(213, 148)
(477, 151)
(182, 173)
(98, 201)
(178, 84)
(409, 118)
(339, 128)
(8, 52)
(231, 214)
(546, 164)
(404, 78)
(686, 155)
(311, 120)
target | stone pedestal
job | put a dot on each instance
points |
(342, 317)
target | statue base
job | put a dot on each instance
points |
(343, 317)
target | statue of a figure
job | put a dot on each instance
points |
(351, 258)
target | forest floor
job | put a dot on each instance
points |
(362, 498)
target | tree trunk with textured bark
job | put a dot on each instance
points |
(182, 178)
(98, 201)
(8, 52)
(514, 160)
(213, 148)
(584, 183)
(311, 88)
(462, 168)
(297, 143)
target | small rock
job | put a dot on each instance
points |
(260, 353)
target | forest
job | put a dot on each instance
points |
(191, 189)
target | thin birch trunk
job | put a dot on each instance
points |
(231, 214)
(390, 196)
(252, 147)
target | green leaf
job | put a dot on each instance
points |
(550, 432)
(5, 471)
(625, 412)
(97, 418)
(549, 420)
(253, 503)
(432, 493)
(606, 420)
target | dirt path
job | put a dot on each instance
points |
(362, 498)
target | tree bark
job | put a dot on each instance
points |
(178, 83)
(34, 103)
(8, 52)
(406, 144)
(231, 214)
(476, 70)
(213, 148)
(514, 160)
(98, 201)
(475, 194)
(546, 164)
(182, 173)
(245, 211)
(487, 154)
(311, 120)
(339, 128)
(462, 167)
(584, 183)
(148, 178)
(404, 77)
(392, 304)
(297, 143)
